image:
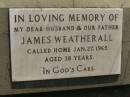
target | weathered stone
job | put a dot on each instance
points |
(35, 3)
(3, 21)
(98, 3)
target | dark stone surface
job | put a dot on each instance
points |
(118, 91)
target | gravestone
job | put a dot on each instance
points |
(31, 60)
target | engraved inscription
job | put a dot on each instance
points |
(53, 43)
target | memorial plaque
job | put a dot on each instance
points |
(55, 43)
